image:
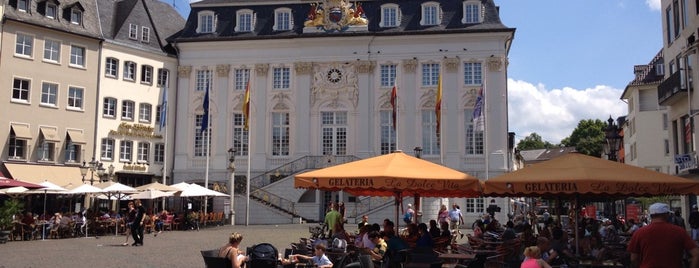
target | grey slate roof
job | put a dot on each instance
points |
(410, 19)
(646, 73)
(36, 16)
(162, 19)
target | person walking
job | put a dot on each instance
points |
(332, 218)
(694, 222)
(661, 243)
(130, 216)
(456, 219)
(137, 226)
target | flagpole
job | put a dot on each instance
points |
(247, 190)
(484, 111)
(208, 146)
(441, 134)
(163, 124)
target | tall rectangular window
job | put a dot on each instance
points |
(472, 13)
(49, 94)
(129, 70)
(125, 151)
(430, 74)
(72, 152)
(52, 50)
(107, 149)
(244, 22)
(241, 78)
(388, 134)
(200, 137)
(159, 153)
(75, 97)
(146, 74)
(206, 23)
(474, 136)
(281, 78)
(51, 10)
(133, 31)
(20, 90)
(430, 142)
(240, 135)
(111, 67)
(334, 133)
(145, 34)
(16, 147)
(76, 17)
(429, 15)
(283, 22)
(109, 107)
(46, 150)
(203, 79)
(145, 112)
(127, 109)
(389, 16)
(23, 5)
(280, 133)
(143, 151)
(163, 75)
(24, 45)
(473, 73)
(77, 56)
(388, 75)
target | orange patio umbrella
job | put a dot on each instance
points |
(388, 174)
(576, 174)
(396, 174)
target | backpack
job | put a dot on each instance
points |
(406, 217)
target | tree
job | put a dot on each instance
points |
(533, 142)
(587, 137)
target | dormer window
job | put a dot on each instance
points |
(23, 5)
(246, 20)
(51, 10)
(206, 22)
(145, 34)
(390, 16)
(472, 12)
(282, 19)
(133, 31)
(431, 14)
(76, 16)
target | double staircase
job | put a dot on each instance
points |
(258, 183)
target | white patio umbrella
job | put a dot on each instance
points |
(85, 189)
(14, 191)
(151, 194)
(195, 190)
(181, 186)
(117, 190)
(158, 186)
(49, 187)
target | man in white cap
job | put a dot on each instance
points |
(661, 243)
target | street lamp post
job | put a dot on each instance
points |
(93, 166)
(612, 138)
(231, 189)
(417, 198)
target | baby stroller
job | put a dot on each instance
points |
(263, 255)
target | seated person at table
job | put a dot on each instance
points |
(320, 260)
(560, 253)
(425, 239)
(54, 224)
(360, 236)
(445, 232)
(340, 232)
(28, 225)
(231, 252)
(434, 229)
(411, 234)
(591, 247)
(380, 246)
(366, 242)
(532, 258)
(478, 228)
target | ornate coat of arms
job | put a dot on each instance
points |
(335, 15)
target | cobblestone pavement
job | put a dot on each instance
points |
(168, 249)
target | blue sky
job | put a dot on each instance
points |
(571, 59)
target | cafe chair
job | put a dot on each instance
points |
(212, 260)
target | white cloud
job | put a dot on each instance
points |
(554, 113)
(653, 4)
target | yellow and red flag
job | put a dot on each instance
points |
(246, 105)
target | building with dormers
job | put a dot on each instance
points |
(87, 81)
(320, 76)
(49, 57)
(138, 64)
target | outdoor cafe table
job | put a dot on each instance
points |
(600, 264)
(456, 257)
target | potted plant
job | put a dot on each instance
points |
(8, 209)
